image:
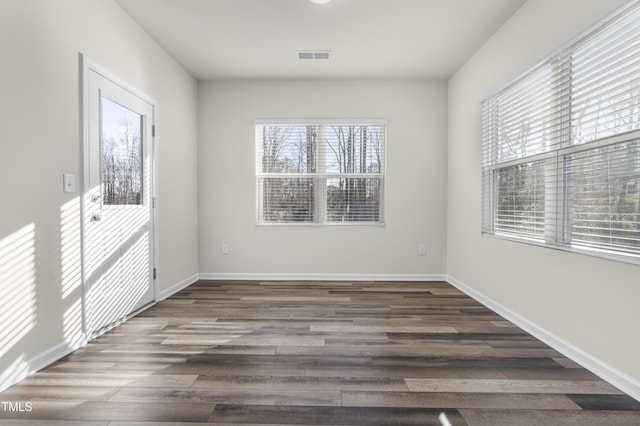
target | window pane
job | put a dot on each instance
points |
(606, 82)
(288, 200)
(121, 154)
(354, 149)
(289, 149)
(521, 200)
(525, 115)
(605, 197)
(353, 199)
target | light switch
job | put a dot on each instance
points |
(69, 183)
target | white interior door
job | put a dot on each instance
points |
(117, 203)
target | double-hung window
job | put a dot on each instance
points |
(561, 147)
(324, 173)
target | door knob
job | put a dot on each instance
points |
(96, 217)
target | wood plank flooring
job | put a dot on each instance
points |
(317, 353)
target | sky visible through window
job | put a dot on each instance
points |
(121, 154)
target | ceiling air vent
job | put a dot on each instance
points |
(314, 54)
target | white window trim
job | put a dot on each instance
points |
(321, 220)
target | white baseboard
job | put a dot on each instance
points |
(21, 369)
(177, 287)
(617, 378)
(322, 277)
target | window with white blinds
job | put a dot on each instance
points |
(561, 147)
(326, 173)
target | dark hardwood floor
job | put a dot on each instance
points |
(317, 353)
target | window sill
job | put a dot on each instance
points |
(322, 225)
(602, 254)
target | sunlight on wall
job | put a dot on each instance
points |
(17, 286)
(71, 270)
(70, 247)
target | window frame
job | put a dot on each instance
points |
(321, 175)
(558, 221)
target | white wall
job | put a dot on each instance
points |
(415, 182)
(589, 305)
(40, 117)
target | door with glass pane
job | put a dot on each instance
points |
(118, 202)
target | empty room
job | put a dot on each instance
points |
(320, 212)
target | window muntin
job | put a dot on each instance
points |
(561, 162)
(320, 173)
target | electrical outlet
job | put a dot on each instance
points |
(422, 249)
(225, 249)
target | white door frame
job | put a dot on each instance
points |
(87, 66)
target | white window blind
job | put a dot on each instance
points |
(603, 208)
(320, 173)
(561, 147)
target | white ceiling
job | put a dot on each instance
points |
(258, 39)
